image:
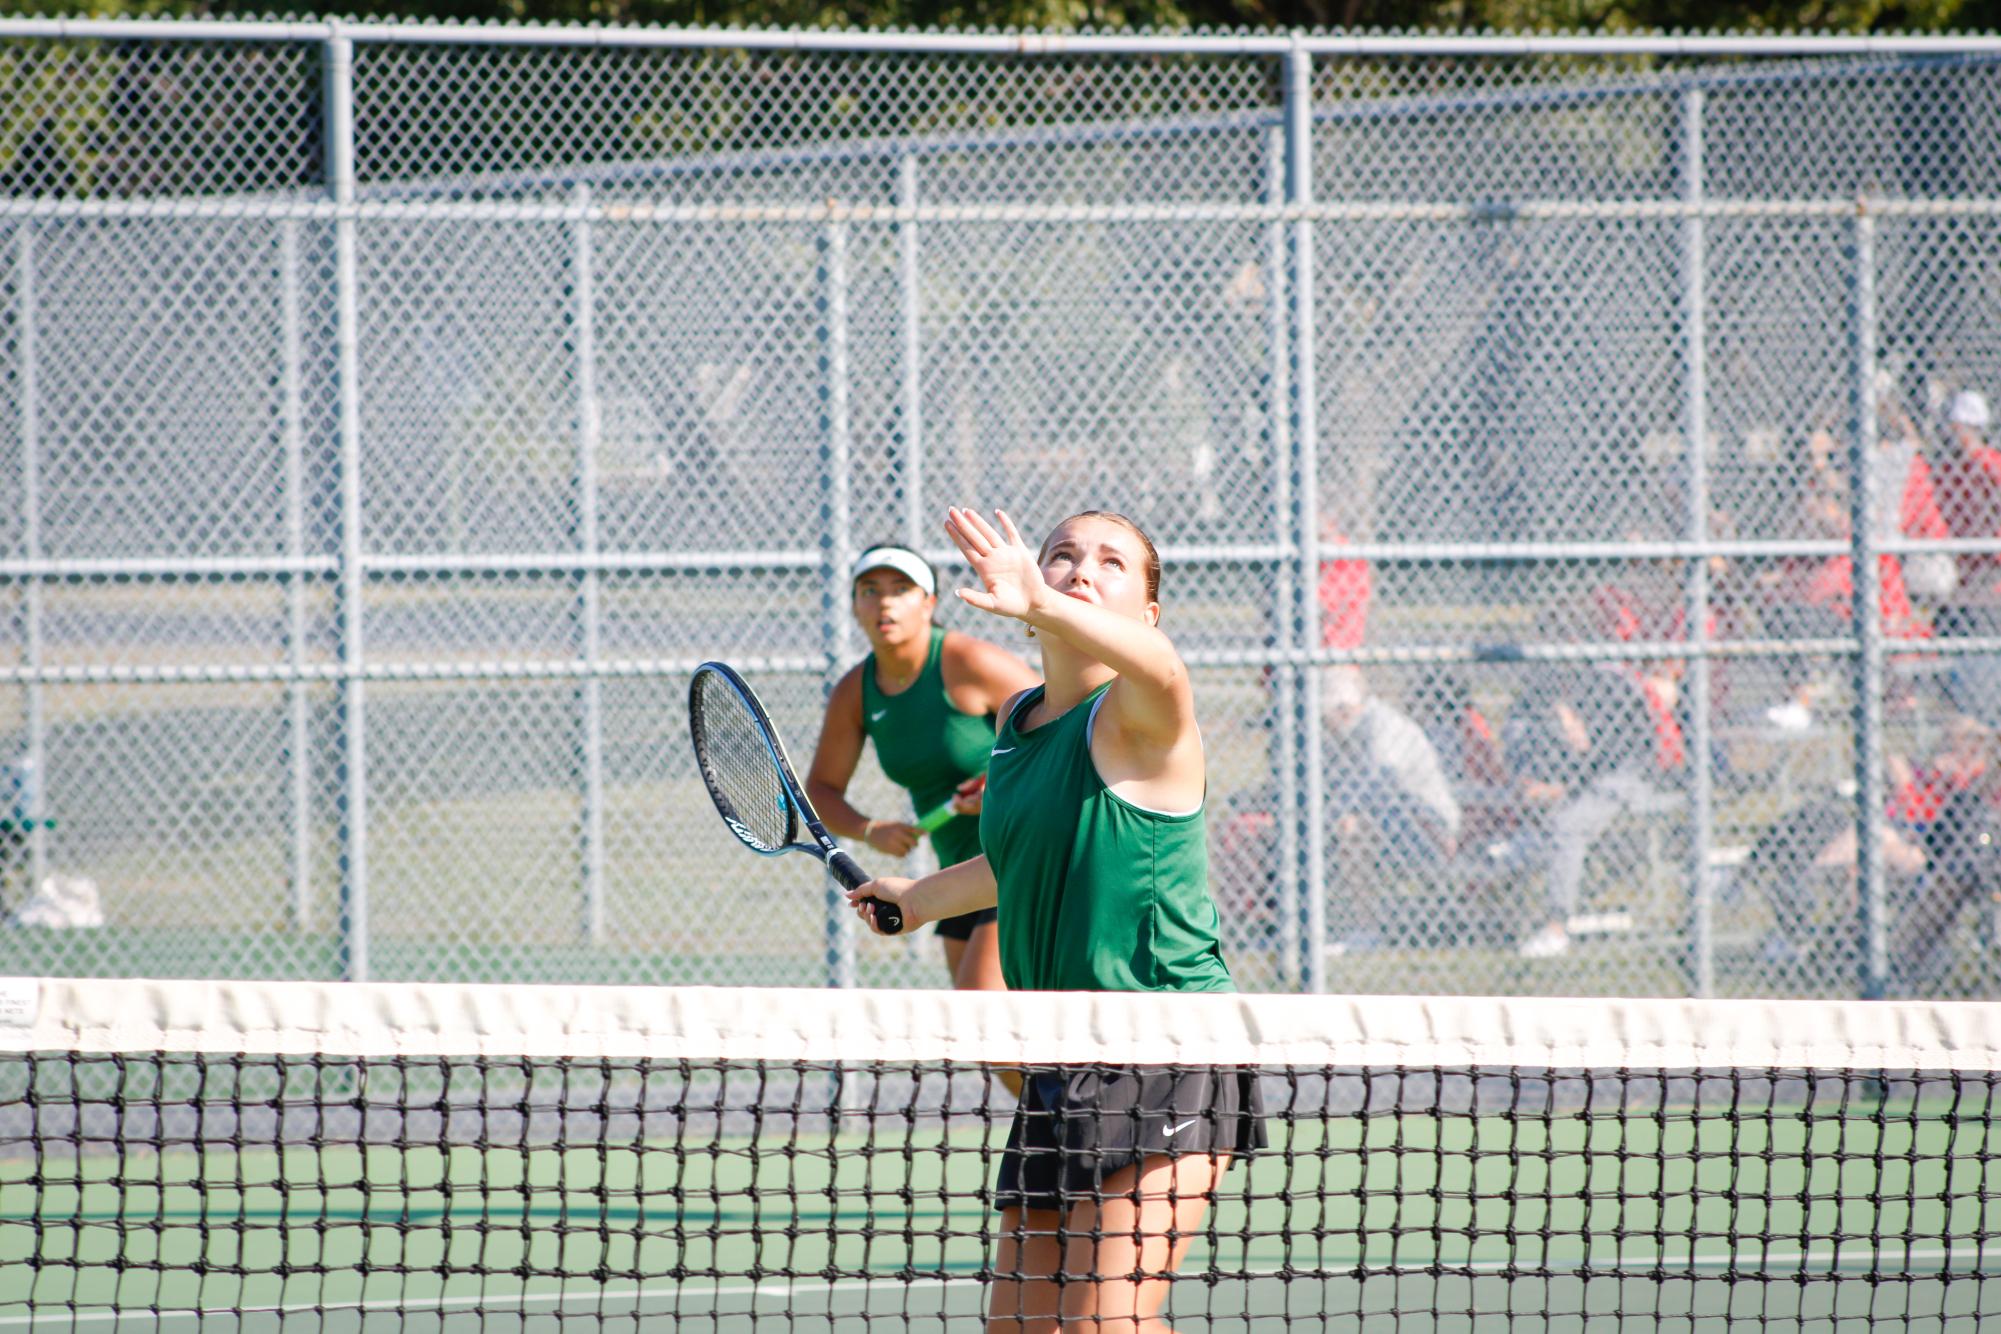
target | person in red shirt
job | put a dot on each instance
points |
(1969, 488)
(1907, 506)
(1963, 856)
(1920, 790)
(1347, 587)
(1969, 495)
(1815, 598)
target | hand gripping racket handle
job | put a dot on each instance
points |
(849, 872)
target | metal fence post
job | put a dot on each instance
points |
(909, 268)
(1306, 515)
(590, 694)
(297, 704)
(835, 462)
(1868, 607)
(339, 122)
(1284, 674)
(1701, 795)
(33, 772)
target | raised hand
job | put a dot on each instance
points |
(1004, 564)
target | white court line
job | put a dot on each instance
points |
(484, 1302)
(779, 1288)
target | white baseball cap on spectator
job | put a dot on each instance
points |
(1968, 408)
(901, 559)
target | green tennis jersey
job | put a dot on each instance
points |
(928, 747)
(1096, 894)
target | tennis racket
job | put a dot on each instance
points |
(744, 765)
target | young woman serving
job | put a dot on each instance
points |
(1096, 856)
(926, 697)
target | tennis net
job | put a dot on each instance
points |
(326, 1156)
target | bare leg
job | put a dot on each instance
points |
(1024, 1298)
(1118, 1252)
(1574, 827)
(976, 964)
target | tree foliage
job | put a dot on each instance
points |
(1573, 15)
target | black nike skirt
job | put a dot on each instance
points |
(1077, 1125)
(963, 926)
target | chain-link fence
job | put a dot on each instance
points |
(396, 416)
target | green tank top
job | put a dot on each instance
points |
(928, 747)
(1096, 894)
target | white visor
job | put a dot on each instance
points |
(906, 563)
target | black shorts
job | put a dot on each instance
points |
(961, 927)
(1077, 1125)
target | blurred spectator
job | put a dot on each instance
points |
(1648, 601)
(1906, 497)
(1244, 859)
(1804, 864)
(1805, 861)
(1346, 589)
(1384, 769)
(1585, 744)
(1246, 847)
(1469, 752)
(1391, 815)
(1920, 792)
(1815, 598)
(1963, 851)
(1391, 812)
(1969, 492)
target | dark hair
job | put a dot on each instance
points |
(1113, 516)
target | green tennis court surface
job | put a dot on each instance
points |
(1733, 1215)
(297, 1185)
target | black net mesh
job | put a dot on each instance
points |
(294, 1188)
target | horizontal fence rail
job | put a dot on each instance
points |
(396, 415)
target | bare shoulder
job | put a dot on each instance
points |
(846, 696)
(976, 663)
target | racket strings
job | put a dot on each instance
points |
(738, 766)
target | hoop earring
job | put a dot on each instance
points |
(1030, 632)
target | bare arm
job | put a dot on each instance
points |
(952, 892)
(980, 676)
(834, 760)
(1152, 700)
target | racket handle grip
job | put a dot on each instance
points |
(849, 872)
(934, 819)
(888, 916)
